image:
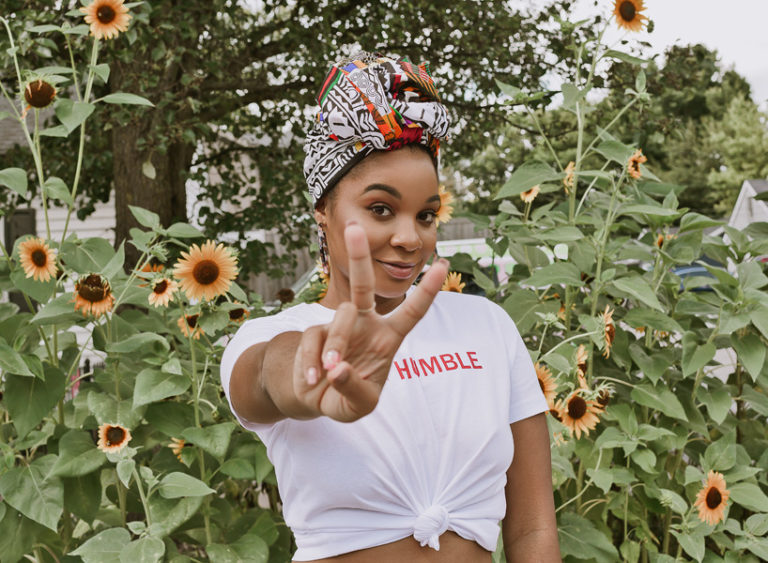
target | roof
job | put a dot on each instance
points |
(758, 185)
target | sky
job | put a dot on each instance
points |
(737, 29)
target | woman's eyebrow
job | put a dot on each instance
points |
(385, 188)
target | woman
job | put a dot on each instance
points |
(391, 412)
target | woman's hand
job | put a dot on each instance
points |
(340, 368)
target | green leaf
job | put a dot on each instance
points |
(749, 496)
(18, 534)
(109, 410)
(27, 490)
(125, 98)
(758, 402)
(238, 468)
(78, 455)
(72, 114)
(143, 340)
(11, 361)
(673, 501)
(178, 485)
(183, 230)
(646, 209)
(530, 174)
(16, 179)
(82, 495)
(29, 399)
(115, 264)
(56, 188)
(44, 28)
(58, 310)
(152, 386)
(718, 402)
(147, 549)
(148, 169)
(697, 356)
(213, 439)
(653, 366)
(558, 273)
(640, 81)
(38, 290)
(170, 418)
(507, 89)
(572, 95)
(662, 400)
(125, 469)
(759, 318)
(579, 538)
(557, 361)
(646, 459)
(648, 318)
(638, 288)
(89, 256)
(696, 221)
(757, 524)
(692, 544)
(627, 58)
(616, 151)
(560, 234)
(146, 218)
(102, 71)
(169, 514)
(104, 547)
(721, 454)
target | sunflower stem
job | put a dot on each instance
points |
(121, 500)
(144, 502)
(78, 167)
(579, 480)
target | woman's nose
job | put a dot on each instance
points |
(407, 236)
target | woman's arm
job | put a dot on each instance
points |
(529, 529)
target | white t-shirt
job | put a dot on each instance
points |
(433, 454)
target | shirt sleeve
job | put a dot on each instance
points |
(525, 395)
(254, 331)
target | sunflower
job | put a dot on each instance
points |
(446, 207)
(712, 498)
(39, 94)
(609, 330)
(177, 446)
(38, 261)
(604, 397)
(162, 292)
(93, 295)
(634, 162)
(189, 327)
(238, 315)
(285, 295)
(207, 271)
(107, 18)
(547, 383)
(113, 438)
(581, 365)
(628, 14)
(568, 180)
(453, 283)
(530, 195)
(578, 414)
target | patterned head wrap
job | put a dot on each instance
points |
(370, 102)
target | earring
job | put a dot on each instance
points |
(323, 245)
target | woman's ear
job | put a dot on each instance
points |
(320, 214)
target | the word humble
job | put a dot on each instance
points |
(408, 368)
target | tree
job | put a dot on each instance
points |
(219, 70)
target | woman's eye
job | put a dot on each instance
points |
(428, 216)
(381, 210)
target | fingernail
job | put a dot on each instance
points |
(331, 359)
(312, 376)
(443, 261)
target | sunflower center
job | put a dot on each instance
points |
(627, 11)
(192, 321)
(105, 14)
(555, 414)
(714, 498)
(93, 289)
(115, 435)
(236, 314)
(577, 407)
(39, 94)
(206, 272)
(39, 258)
(160, 287)
(610, 333)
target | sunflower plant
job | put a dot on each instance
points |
(115, 441)
(657, 381)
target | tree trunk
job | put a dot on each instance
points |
(165, 194)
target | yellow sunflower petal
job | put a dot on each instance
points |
(107, 18)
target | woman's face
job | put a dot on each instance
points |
(394, 197)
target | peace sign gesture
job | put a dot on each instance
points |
(340, 368)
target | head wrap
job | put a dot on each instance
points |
(370, 102)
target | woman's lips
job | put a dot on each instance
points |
(398, 270)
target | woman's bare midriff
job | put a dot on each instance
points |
(453, 549)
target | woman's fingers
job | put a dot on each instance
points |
(361, 395)
(361, 277)
(339, 334)
(418, 301)
(310, 349)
